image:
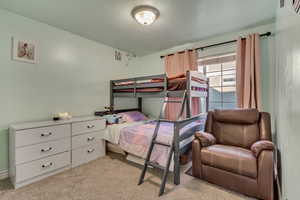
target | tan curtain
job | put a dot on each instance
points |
(248, 72)
(177, 64)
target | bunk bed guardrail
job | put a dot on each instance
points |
(157, 85)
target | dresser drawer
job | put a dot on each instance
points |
(38, 151)
(88, 126)
(42, 166)
(39, 135)
(86, 139)
(88, 153)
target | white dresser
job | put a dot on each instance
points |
(41, 149)
(87, 141)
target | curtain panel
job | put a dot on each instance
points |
(177, 64)
(248, 81)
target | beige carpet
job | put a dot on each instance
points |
(113, 178)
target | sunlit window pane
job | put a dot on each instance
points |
(213, 68)
(215, 94)
(228, 94)
(229, 72)
(215, 81)
(211, 74)
(213, 106)
(201, 69)
(228, 80)
(229, 106)
(228, 65)
(222, 81)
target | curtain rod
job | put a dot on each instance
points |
(267, 34)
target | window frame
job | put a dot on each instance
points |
(218, 60)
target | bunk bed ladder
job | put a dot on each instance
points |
(155, 142)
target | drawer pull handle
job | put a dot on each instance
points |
(90, 126)
(47, 165)
(47, 149)
(90, 150)
(90, 139)
(46, 134)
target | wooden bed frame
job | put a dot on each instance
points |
(188, 92)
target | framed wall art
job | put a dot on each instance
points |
(24, 50)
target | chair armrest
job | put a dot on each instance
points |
(262, 145)
(206, 139)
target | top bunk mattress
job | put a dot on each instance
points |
(173, 84)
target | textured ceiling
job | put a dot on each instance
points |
(110, 22)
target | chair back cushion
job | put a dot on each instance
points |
(237, 116)
(236, 127)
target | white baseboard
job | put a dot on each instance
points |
(3, 174)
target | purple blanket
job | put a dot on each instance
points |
(136, 140)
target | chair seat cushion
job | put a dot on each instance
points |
(233, 159)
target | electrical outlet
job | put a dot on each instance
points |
(281, 3)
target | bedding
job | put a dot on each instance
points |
(133, 116)
(134, 136)
(126, 83)
(112, 132)
(136, 140)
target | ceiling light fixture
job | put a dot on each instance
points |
(145, 14)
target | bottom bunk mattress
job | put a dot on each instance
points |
(136, 140)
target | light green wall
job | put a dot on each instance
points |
(267, 72)
(152, 64)
(72, 75)
(287, 97)
(3, 148)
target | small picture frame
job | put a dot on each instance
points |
(24, 50)
(118, 55)
(296, 5)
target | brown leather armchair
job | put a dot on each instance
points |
(236, 152)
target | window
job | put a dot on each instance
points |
(221, 73)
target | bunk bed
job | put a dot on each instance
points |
(185, 86)
(193, 82)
